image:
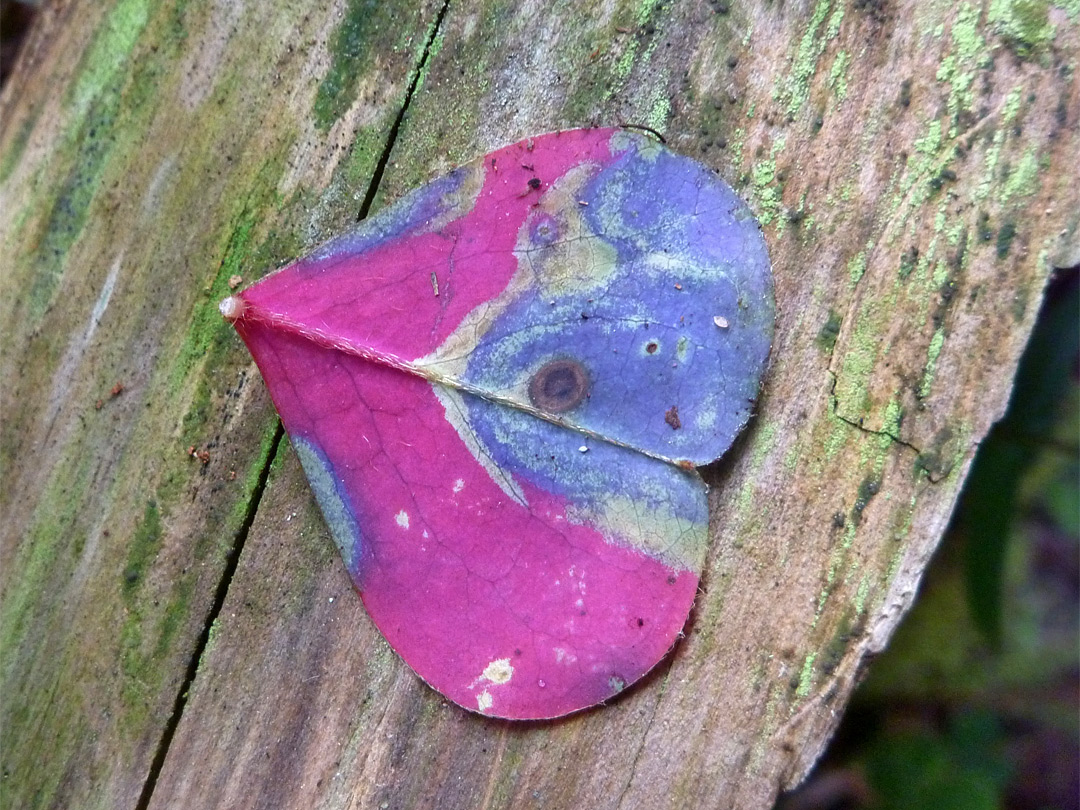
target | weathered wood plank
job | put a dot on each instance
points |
(912, 165)
(150, 151)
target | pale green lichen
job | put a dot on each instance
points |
(838, 74)
(1023, 24)
(1009, 113)
(932, 354)
(764, 444)
(659, 112)
(795, 89)
(806, 677)
(861, 593)
(890, 422)
(768, 191)
(958, 67)
(857, 267)
(1023, 181)
(941, 274)
(839, 432)
(929, 143)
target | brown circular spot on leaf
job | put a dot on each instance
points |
(559, 386)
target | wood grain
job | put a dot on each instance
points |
(912, 165)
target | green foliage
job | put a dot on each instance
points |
(1042, 380)
(963, 768)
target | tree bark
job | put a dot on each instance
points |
(175, 626)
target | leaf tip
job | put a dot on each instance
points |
(232, 308)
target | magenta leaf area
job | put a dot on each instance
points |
(499, 388)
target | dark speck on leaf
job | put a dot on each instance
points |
(534, 183)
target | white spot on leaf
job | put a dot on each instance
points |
(484, 701)
(402, 519)
(498, 671)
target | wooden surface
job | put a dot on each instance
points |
(177, 631)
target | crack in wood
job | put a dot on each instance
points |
(857, 423)
(391, 139)
(232, 562)
(233, 559)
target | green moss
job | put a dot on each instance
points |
(833, 654)
(432, 54)
(207, 325)
(958, 67)
(240, 255)
(869, 488)
(830, 331)
(764, 442)
(938, 459)
(929, 143)
(908, 261)
(1005, 238)
(767, 196)
(38, 557)
(40, 713)
(1011, 110)
(177, 613)
(14, 152)
(110, 52)
(354, 44)
(255, 470)
(91, 147)
(861, 594)
(99, 107)
(142, 549)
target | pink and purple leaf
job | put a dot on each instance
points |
(499, 388)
